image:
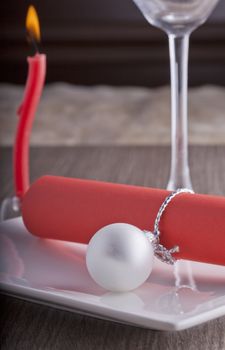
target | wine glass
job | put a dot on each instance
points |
(178, 18)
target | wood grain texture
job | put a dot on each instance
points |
(24, 325)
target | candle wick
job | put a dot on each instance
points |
(32, 40)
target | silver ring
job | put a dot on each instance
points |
(161, 252)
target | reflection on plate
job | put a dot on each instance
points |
(55, 273)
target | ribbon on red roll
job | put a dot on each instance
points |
(74, 209)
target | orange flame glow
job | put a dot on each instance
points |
(32, 24)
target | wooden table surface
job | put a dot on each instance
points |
(25, 325)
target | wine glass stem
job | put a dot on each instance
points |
(179, 173)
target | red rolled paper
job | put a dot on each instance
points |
(74, 209)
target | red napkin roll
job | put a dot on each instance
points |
(74, 209)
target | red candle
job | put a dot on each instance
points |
(27, 110)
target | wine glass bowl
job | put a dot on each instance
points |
(178, 18)
(176, 15)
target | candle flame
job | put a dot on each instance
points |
(32, 24)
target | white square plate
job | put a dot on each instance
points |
(54, 273)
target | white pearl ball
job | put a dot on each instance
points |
(119, 257)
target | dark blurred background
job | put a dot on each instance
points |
(105, 42)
